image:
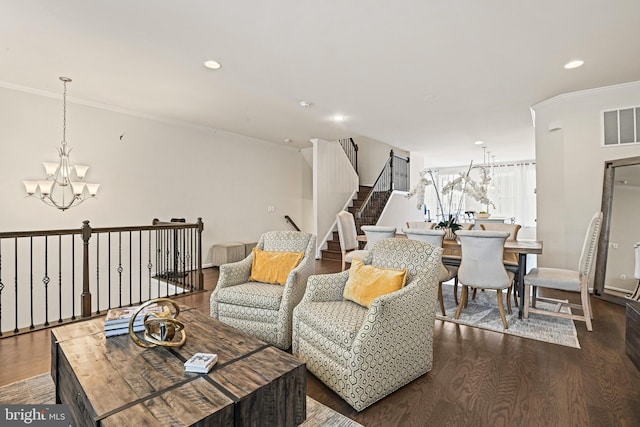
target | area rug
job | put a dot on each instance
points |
(40, 390)
(483, 313)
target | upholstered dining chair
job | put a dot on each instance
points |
(566, 280)
(481, 267)
(509, 259)
(466, 225)
(421, 224)
(257, 294)
(512, 229)
(434, 238)
(365, 345)
(348, 236)
(377, 232)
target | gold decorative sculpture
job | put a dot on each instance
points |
(160, 328)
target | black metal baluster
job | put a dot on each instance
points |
(130, 272)
(16, 330)
(109, 269)
(73, 277)
(59, 278)
(120, 268)
(46, 281)
(149, 264)
(140, 264)
(31, 276)
(98, 273)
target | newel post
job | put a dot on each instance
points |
(200, 274)
(86, 294)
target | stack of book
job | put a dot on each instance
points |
(117, 320)
(201, 363)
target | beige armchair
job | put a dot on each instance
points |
(264, 310)
(364, 354)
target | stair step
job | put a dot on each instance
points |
(331, 255)
(333, 245)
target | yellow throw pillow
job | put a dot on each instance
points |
(273, 267)
(367, 282)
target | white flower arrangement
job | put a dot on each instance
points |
(463, 183)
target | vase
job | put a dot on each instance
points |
(449, 234)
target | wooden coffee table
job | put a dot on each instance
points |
(113, 382)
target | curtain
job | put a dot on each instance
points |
(512, 193)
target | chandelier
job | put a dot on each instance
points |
(64, 186)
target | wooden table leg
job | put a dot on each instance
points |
(522, 268)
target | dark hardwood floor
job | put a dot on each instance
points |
(479, 378)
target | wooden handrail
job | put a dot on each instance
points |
(290, 221)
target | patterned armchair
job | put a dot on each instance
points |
(365, 354)
(264, 310)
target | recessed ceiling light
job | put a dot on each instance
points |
(287, 140)
(478, 142)
(573, 64)
(305, 104)
(214, 65)
(338, 118)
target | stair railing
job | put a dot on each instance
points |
(394, 176)
(51, 277)
(288, 219)
(351, 150)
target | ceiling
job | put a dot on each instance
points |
(425, 76)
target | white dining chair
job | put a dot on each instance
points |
(566, 280)
(435, 238)
(481, 267)
(377, 232)
(348, 236)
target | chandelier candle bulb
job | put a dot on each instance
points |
(50, 168)
(30, 186)
(81, 170)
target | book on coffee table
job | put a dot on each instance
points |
(122, 315)
(201, 363)
(122, 330)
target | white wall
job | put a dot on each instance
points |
(335, 183)
(158, 170)
(570, 164)
(398, 210)
(372, 156)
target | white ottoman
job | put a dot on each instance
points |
(224, 253)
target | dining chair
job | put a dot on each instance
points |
(566, 280)
(509, 259)
(481, 267)
(348, 236)
(435, 238)
(421, 224)
(377, 232)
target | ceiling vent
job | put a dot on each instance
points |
(621, 126)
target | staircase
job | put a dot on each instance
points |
(333, 252)
(370, 201)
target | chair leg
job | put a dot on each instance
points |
(509, 299)
(526, 301)
(463, 300)
(501, 308)
(514, 286)
(586, 307)
(455, 290)
(441, 299)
